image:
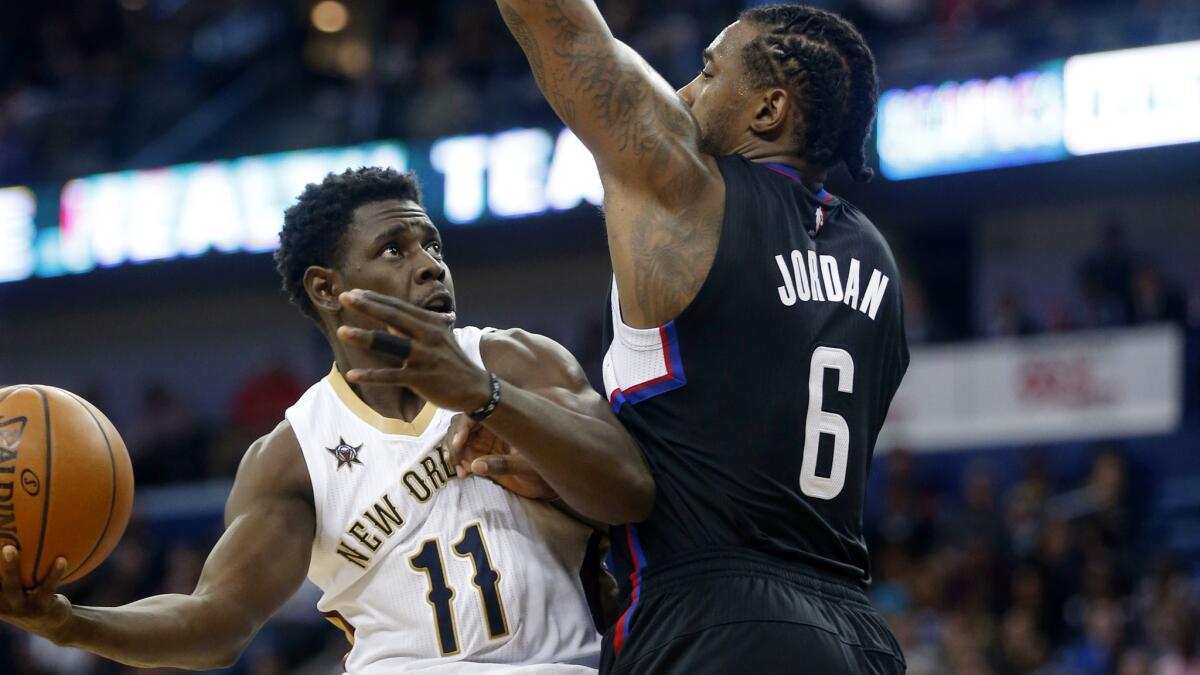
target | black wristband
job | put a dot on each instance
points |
(493, 402)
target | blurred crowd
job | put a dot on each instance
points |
(1114, 285)
(89, 87)
(1041, 575)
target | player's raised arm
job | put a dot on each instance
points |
(256, 566)
(663, 194)
(623, 111)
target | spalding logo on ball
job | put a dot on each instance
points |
(66, 483)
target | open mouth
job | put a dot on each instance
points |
(441, 304)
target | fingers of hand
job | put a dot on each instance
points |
(456, 437)
(49, 588)
(388, 343)
(408, 318)
(355, 337)
(10, 579)
(492, 465)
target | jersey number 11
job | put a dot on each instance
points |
(441, 597)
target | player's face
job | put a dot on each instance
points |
(392, 247)
(720, 95)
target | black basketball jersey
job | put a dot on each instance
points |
(758, 407)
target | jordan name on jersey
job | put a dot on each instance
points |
(817, 278)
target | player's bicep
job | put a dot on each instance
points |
(541, 366)
(262, 558)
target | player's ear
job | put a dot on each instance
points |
(774, 106)
(323, 287)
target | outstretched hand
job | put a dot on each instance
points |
(473, 449)
(40, 610)
(429, 360)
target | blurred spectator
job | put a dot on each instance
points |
(1183, 654)
(1009, 317)
(1106, 280)
(447, 103)
(166, 442)
(1153, 300)
(88, 90)
(260, 403)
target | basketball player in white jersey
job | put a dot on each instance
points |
(426, 569)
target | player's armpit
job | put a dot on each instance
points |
(259, 562)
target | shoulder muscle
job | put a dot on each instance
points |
(530, 361)
(272, 468)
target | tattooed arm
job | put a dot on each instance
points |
(664, 198)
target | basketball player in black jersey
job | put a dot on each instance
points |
(756, 335)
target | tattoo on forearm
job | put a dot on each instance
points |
(617, 90)
(524, 36)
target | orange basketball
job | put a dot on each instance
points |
(66, 483)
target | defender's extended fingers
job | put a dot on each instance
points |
(10, 577)
(408, 318)
(49, 587)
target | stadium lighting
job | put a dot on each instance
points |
(1132, 98)
(330, 16)
(17, 209)
(1091, 103)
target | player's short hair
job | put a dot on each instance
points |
(314, 226)
(824, 62)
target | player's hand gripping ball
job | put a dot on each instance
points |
(66, 485)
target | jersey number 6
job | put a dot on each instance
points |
(820, 421)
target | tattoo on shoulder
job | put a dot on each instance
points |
(672, 251)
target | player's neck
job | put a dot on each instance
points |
(391, 402)
(813, 176)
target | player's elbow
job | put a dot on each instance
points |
(641, 501)
(222, 660)
(229, 654)
(231, 643)
(634, 501)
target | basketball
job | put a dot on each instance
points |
(66, 482)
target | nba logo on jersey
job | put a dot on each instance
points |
(820, 219)
(346, 454)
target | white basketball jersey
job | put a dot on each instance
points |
(431, 573)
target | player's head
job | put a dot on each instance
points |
(363, 228)
(793, 76)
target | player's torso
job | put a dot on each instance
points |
(427, 571)
(759, 405)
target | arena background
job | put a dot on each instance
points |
(1035, 502)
